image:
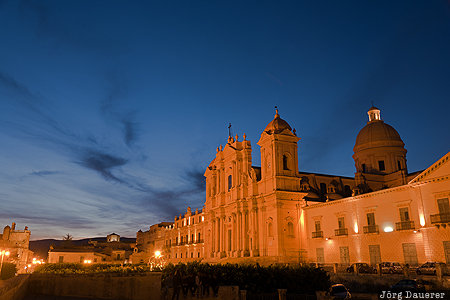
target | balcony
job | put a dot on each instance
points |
(371, 229)
(341, 231)
(404, 225)
(440, 218)
(196, 242)
(317, 234)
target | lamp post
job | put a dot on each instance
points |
(3, 253)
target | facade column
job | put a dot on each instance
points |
(213, 237)
(246, 241)
(217, 236)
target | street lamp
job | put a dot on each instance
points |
(3, 253)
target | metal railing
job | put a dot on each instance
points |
(317, 234)
(404, 225)
(341, 231)
(371, 229)
(440, 218)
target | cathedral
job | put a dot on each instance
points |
(277, 214)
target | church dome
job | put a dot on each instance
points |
(379, 148)
(376, 131)
(277, 125)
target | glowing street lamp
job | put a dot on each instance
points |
(3, 253)
(157, 254)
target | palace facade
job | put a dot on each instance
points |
(277, 214)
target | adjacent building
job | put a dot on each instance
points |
(110, 251)
(16, 242)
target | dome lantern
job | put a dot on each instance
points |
(374, 114)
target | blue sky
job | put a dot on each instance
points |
(110, 111)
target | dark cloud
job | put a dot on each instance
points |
(102, 163)
(196, 178)
(12, 84)
(68, 221)
(109, 107)
(129, 131)
(43, 173)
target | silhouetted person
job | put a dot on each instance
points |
(177, 284)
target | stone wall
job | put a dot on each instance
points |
(14, 288)
(97, 286)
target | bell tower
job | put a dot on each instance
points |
(279, 156)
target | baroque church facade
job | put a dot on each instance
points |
(277, 214)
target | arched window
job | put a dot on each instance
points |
(285, 162)
(290, 229)
(270, 229)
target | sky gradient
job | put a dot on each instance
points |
(110, 111)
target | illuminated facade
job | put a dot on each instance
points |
(276, 213)
(16, 242)
(180, 241)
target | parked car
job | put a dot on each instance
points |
(430, 268)
(339, 291)
(391, 268)
(362, 268)
(408, 285)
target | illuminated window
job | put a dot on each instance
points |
(443, 206)
(317, 226)
(371, 219)
(404, 214)
(341, 223)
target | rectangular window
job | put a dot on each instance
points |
(375, 254)
(61, 259)
(447, 251)
(341, 223)
(443, 206)
(410, 254)
(199, 237)
(381, 166)
(320, 255)
(404, 214)
(81, 259)
(317, 226)
(344, 255)
(230, 182)
(364, 168)
(399, 165)
(371, 219)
